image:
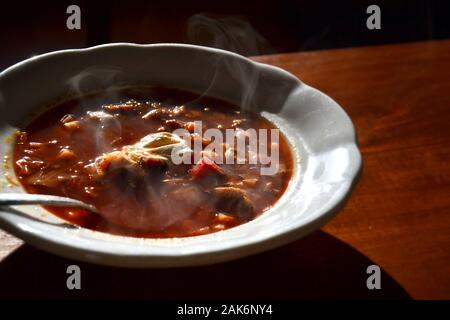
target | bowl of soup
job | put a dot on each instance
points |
(190, 155)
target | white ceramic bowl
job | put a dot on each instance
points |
(320, 133)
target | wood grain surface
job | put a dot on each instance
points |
(398, 217)
(399, 100)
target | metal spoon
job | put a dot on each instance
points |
(7, 199)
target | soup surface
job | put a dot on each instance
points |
(116, 150)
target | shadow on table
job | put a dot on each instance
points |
(318, 266)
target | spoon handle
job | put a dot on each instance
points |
(42, 199)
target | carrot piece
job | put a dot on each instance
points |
(204, 167)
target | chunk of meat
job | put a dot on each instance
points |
(233, 201)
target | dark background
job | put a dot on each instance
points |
(247, 27)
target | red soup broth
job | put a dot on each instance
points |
(89, 148)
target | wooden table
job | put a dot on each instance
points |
(398, 217)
